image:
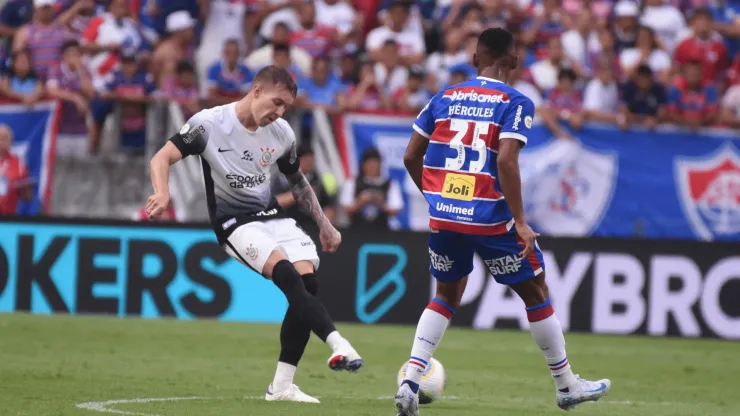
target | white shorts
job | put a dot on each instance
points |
(255, 241)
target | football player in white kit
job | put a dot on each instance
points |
(238, 145)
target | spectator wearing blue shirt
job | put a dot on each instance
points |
(347, 70)
(726, 16)
(644, 99)
(21, 83)
(228, 80)
(321, 89)
(318, 92)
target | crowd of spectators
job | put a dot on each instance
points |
(623, 61)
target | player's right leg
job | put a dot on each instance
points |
(451, 260)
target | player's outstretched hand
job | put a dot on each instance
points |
(157, 204)
(528, 236)
(330, 238)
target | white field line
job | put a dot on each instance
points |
(105, 406)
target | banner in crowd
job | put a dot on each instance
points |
(129, 270)
(606, 286)
(669, 183)
(34, 131)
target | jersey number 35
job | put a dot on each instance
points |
(461, 128)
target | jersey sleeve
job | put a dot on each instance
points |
(424, 123)
(193, 136)
(288, 163)
(517, 119)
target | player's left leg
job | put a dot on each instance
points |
(294, 336)
(526, 276)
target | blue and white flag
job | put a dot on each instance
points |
(34, 132)
(666, 183)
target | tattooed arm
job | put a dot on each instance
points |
(305, 198)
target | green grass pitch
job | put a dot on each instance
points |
(51, 364)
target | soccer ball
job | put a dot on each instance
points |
(433, 382)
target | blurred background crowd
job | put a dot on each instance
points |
(622, 62)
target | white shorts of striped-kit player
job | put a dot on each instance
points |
(255, 241)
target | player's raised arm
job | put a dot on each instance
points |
(512, 138)
(191, 140)
(306, 198)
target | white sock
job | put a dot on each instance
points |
(432, 326)
(335, 341)
(283, 377)
(548, 334)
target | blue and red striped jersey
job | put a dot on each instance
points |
(464, 124)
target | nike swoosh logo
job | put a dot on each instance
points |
(602, 387)
(224, 150)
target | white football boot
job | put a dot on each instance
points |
(407, 402)
(291, 394)
(584, 391)
(345, 358)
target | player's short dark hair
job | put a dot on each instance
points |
(495, 43)
(644, 70)
(276, 76)
(184, 67)
(69, 44)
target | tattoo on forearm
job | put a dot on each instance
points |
(305, 196)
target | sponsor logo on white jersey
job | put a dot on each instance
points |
(246, 181)
(440, 263)
(568, 187)
(457, 95)
(709, 190)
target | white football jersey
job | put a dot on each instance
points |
(238, 164)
